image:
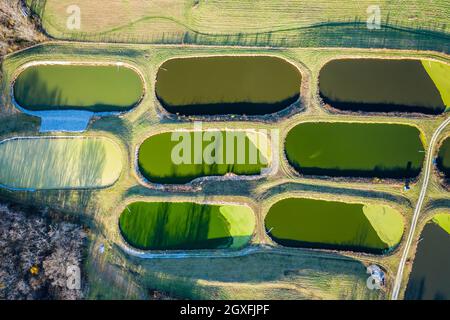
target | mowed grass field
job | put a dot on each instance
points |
(230, 16)
(277, 275)
(59, 163)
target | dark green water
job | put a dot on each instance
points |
(82, 87)
(227, 85)
(380, 85)
(430, 278)
(355, 149)
(443, 160)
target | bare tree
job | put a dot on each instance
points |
(35, 253)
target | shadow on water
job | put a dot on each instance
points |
(33, 94)
(429, 279)
(243, 108)
(316, 245)
(377, 172)
(373, 107)
(174, 226)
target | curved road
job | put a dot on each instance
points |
(428, 170)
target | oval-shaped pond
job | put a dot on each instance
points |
(97, 88)
(355, 149)
(386, 85)
(443, 159)
(186, 225)
(59, 163)
(298, 222)
(429, 278)
(251, 85)
(181, 156)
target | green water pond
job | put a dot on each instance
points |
(180, 157)
(252, 85)
(98, 88)
(186, 225)
(301, 222)
(355, 149)
(386, 85)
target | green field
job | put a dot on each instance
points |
(384, 85)
(227, 85)
(308, 23)
(443, 220)
(186, 225)
(438, 72)
(59, 163)
(443, 159)
(84, 87)
(355, 149)
(334, 225)
(162, 159)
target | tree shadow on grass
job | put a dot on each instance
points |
(289, 187)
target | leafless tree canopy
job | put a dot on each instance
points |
(34, 255)
(17, 28)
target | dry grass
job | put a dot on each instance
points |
(17, 31)
(230, 16)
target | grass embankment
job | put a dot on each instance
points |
(94, 88)
(180, 157)
(183, 225)
(442, 220)
(59, 163)
(355, 149)
(334, 225)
